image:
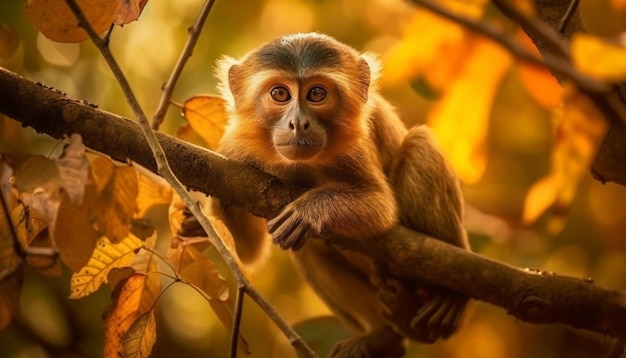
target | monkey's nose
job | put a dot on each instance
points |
(299, 125)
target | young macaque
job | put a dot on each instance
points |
(305, 108)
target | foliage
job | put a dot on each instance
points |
(495, 117)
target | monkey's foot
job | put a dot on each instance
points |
(440, 315)
(423, 314)
(380, 344)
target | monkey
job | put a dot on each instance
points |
(306, 108)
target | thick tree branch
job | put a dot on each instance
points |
(529, 295)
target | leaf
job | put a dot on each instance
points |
(9, 260)
(118, 320)
(33, 234)
(105, 257)
(429, 38)
(74, 169)
(128, 11)
(580, 127)
(199, 271)
(196, 268)
(207, 116)
(598, 58)
(141, 336)
(539, 83)
(460, 119)
(57, 22)
(10, 288)
(9, 41)
(152, 191)
(74, 235)
(117, 197)
(37, 172)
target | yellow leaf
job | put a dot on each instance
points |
(74, 169)
(207, 116)
(141, 336)
(9, 41)
(57, 22)
(117, 197)
(151, 191)
(105, 257)
(428, 39)
(580, 127)
(598, 58)
(539, 83)
(118, 319)
(460, 119)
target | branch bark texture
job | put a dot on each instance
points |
(529, 295)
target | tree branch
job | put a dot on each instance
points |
(529, 295)
(608, 165)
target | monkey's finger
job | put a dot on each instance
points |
(278, 221)
(299, 237)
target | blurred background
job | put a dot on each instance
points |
(518, 139)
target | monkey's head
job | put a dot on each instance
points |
(301, 98)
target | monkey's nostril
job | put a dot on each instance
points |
(291, 126)
(306, 125)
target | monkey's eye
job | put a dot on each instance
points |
(316, 94)
(280, 94)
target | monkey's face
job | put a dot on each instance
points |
(301, 98)
(300, 115)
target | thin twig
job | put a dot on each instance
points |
(168, 87)
(571, 9)
(556, 65)
(165, 171)
(237, 314)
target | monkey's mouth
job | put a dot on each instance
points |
(299, 149)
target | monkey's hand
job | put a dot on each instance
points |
(291, 229)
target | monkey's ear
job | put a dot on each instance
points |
(363, 79)
(223, 73)
(235, 79)
(369, 68)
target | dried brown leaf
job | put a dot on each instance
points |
(128, 298)
(57, 22)
(74, 169)
(9, 41)
(141, 336)
(128, 11)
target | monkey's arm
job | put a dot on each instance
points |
(335, 209)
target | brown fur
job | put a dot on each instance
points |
(360, 164)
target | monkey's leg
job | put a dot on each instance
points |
(429, 201)
(341, 279)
